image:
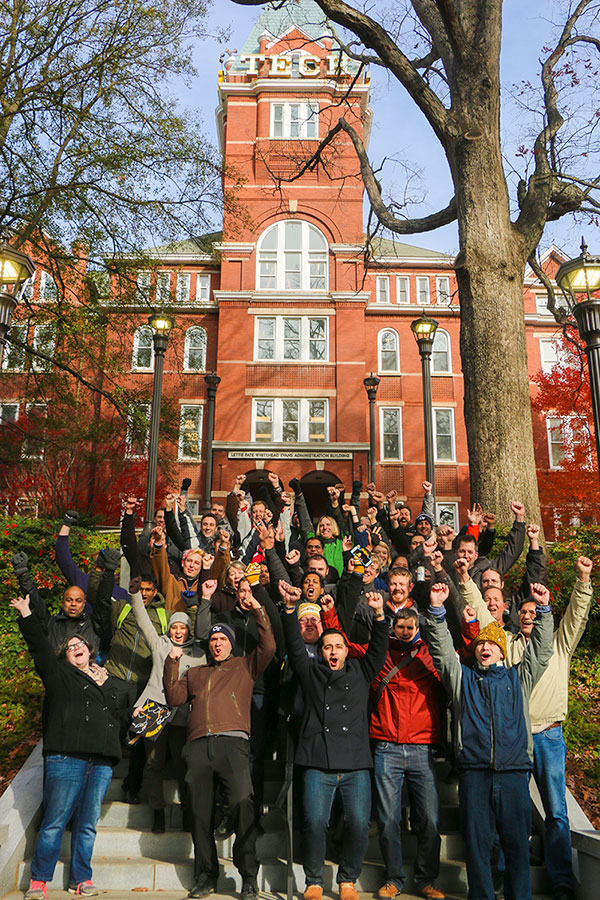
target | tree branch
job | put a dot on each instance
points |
(561, 316)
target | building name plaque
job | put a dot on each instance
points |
(309, 66)
(259, 453)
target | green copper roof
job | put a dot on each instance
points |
(387, 248)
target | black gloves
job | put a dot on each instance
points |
(71, 517)
(19, 563)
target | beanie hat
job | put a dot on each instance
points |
(424, 517)
(494, 633)
(181, 617)
(223, 628)
(308, 609)
(252, 573)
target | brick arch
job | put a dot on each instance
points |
(324, 223)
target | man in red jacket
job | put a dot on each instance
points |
(405, 723)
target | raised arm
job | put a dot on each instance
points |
(440, 643)
(539, 646)
(514, 543)
(572, 625)
(64, 560)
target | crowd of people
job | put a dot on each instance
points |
(380, 642)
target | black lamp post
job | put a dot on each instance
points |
(579, 280)
(424, 330)
(212, 381)
(371, 383)
(16, 269)
(162, 326)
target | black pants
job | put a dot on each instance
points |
(170, 740)
(226, 758)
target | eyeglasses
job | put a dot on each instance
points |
(76, 646)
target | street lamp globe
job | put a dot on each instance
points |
(16, 269)
(424, 329)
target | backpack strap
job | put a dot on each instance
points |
(123, 614)
(385, 681)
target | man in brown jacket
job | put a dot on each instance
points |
(218, 729)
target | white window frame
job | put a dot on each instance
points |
(136, 349)
(183, 287)
(423, 282)
(548, 364)
(129, 436)
(303, 420)
(565, 424)
(203, 287)
(38, 364)
(295, 116)
(186, 350)
(28, 287)
(18, 326)
(9, 403)
(143, 284)
(199, 407)
(380, 351)
(441, 508)
(43, 407)
(47, 286)
(403, 280)
(382, 455)
(442, 290)
(382, 289)
(434, 371)
(163, 287)
(279, 340)
(280, 257)
(435, 411)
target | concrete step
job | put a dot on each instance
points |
(178, 895)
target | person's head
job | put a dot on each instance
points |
(406, 624)
(234, 573)
(371, 572)
(527, 614)
(221, 641)
(319, 565)
(208, 525)
(400, 562)
(333, 647)
(244, 594)
(264, 577)
(77, 651)
(328, 528)
(424, 525)
(159, 517)
(179, 628)
(399, 585)
(415, 540)
(312, 587)
(218, 510)
(314, 547)
(148, 589)
(489, 646)
(405, 515)
(309, 622)
(491, 578)
(467, 548)
(191, 563)
(382, 553)
(258, 511)
(73, 602)
(495, 602)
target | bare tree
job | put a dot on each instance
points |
(454, 79)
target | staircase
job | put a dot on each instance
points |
(128, 856)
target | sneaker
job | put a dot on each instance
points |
(388, 891)
(204, 887)
(158, 825)
(313, 892)
(249, 891)
(37, 891)
(83, 889)
(347, 890)
(430, 892)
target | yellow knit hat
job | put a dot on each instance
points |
(308, 609)
(494, 633)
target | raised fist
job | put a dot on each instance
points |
(19, 563)
(71, 517)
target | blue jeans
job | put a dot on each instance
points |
(549, 758)
(393, 763)
(488, 801)
(73, 788)
(319, 790)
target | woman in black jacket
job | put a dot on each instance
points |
(81, 745)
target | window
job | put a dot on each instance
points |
(190, 432)
(447, 514)
(13, 357)
(182, 287)
(33, 445)
(443, 435)
(566, 434)
(163, 288)
(556, 443)
(202, 288)
(383, 289)
(294, 421)
(9, 412)
(48, 289)
(44, 341)
(292, 256)
(194, 355)
(441, 358)
(138, 431)
(143, 349)
(423, 291)
(295, 120)
(551, 354)
(291, 339)
(403, 289)
(27, 293)
(390, 425)
(389, 356)
(442, 286)
(143, 286)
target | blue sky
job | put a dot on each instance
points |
(398, 126)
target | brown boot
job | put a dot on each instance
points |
(347, 890)
(313, 892)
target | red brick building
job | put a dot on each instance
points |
(291, 311)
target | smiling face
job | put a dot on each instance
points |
(311, 628)
(382, 554)
(334, 651)
(527, 614)
(415, 540)
(218, 511)
(148, 592)
(191, 565)
(78, 653)
(494, 600)
(159, 518)
(311, 587)
(487, 653)
(208, 526)
(219, 646)
(258, 512)
(423, 527)
(319, 565)
(467, 550)
(399, 589)
(405, 629)
(314, 547)
(179, 633)
(325, 528)
(404, 517)
(73, 602)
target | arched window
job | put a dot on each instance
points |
(389, 355)
(441, 359)
(194, 354)
(143, 349)
(292, 256)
